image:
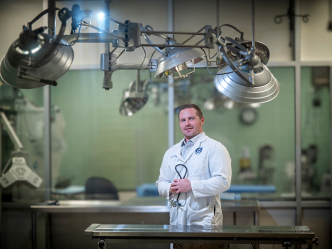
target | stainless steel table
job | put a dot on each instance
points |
(197, 236)
(136, 205)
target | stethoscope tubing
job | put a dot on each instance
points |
(185, 174)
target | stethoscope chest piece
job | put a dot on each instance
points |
(176, 202)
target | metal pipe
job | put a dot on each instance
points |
(117, 22)
(0, 175)
(175, 45)
(107, 74)
(193, 35)
(161, 36)
(171, 128)
(132, 66)
(201, 41)
(298, 118)
(107, 26)
(34, 230)
(11, 132)
(170, 32)
(331, 150)
(154, 46)
(217, 30)
(138, 79)
(253, 24)
(118, 56)
(102, 30)
(256, 218)
(47, 116)
(91, 38)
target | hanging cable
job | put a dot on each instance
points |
(71, 43)
(207, 66)
(144, 56)
(113, 50)
(117, 57)
(151, 57)
(212, 56)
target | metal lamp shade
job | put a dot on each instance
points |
(51, 68)
(261, 50)
(266, 86)
(131, 104)
(176, 57)
(133, 99)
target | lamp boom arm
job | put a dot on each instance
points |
(40, 15)
(64, 14)
(149, 28)
(230, 63)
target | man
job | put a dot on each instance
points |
(195, 198)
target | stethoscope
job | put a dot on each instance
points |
(176, 203)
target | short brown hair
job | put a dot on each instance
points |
(187, 106)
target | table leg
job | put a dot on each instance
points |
(49, 231)
(234, 218)
(256, 218)
(33, 232)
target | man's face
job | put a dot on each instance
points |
(190, 123)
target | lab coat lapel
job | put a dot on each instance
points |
(178, 151)
(196, 146)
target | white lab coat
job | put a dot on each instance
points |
(209, 173)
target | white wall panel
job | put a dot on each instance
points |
(149, 12)
(316, 40)
(188, 16)
(13, 15)
(192, 15)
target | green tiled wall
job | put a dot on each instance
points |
(129, 150)
(274, 126)
(315, 123)
(101, 142)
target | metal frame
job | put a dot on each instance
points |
(171, 125)
(331, 151)
(0, 174)
(47, 117)
(287, 236)
(153, 206)
(297, 51)
(297, 64)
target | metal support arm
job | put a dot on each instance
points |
(11, 132)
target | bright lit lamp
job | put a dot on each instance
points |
(101, 15)
(177, 60)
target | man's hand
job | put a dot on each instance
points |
(180, 185)
(173, 188)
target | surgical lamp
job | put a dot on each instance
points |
(36, 59)
(135, 97)
(19, 172)
(246, 79)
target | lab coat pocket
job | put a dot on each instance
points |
(182, 198)
(173, 214)
(203, 217)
